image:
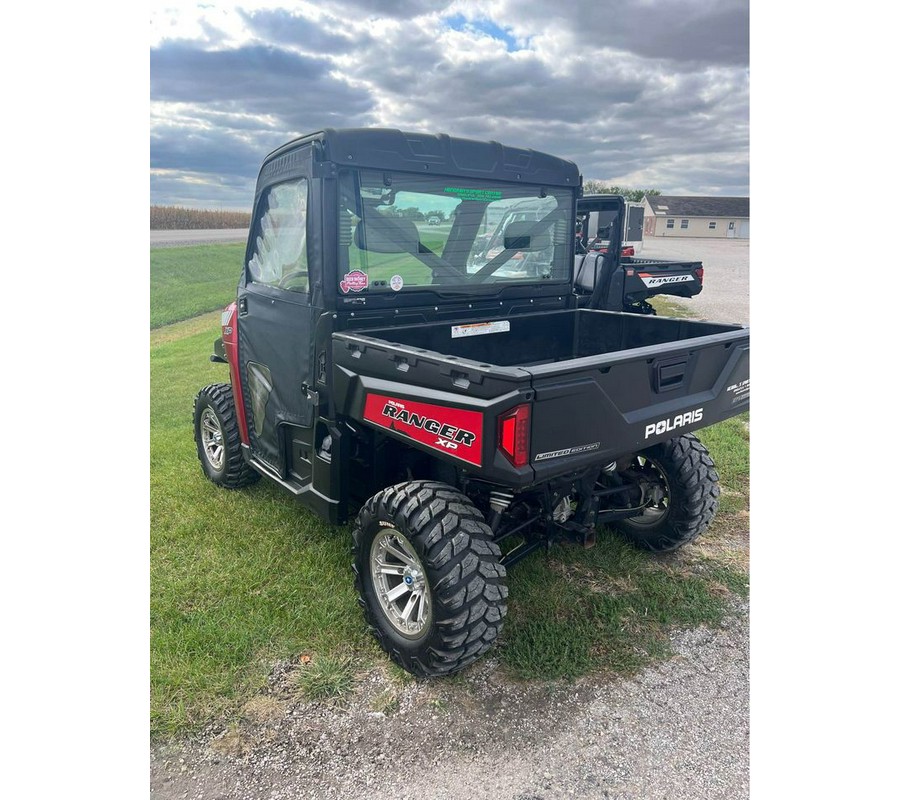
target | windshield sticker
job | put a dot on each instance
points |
(397, 282)
(479, 329)
(464, 193)
(354, 281)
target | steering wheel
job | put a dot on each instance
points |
(295, 274)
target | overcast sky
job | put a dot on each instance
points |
(641, 93)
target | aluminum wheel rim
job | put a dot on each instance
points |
(400, 583)
(212, 439)
(656, 508)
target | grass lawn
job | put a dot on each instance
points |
(242, 579)
(186, 281)
(383, 266)
(666, 307)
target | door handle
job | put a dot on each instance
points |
(309, 393)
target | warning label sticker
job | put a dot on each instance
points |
(740, 392)
(479, 328)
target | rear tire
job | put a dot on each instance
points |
(429, 577)
(218, 439)
(681, 488)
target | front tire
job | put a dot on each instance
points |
(680, 492)
(429, 577)
(218, 439)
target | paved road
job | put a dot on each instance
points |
(183, 238)
(726, 274)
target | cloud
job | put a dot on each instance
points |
(645, 93)
(688, 31)
(408, 9)
(283, 27)
(219, 112)
(261, 79)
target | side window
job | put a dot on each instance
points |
(670, 223)
(279, 255)
(684, 224)
(712, 226)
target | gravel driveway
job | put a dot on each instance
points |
(676, 730)
(726, 274)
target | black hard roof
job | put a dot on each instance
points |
(390, 149)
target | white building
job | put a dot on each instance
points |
(719, 217)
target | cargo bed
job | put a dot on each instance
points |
(601, 384)
(549, 337)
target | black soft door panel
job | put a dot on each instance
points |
(275, 330)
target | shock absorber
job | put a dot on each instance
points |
(499, 502)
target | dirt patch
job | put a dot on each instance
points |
(263, 710)
(728, 542)
(234, 742)
(615, 586)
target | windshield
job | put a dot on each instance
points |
(401, 231)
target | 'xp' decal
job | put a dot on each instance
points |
(454, 431)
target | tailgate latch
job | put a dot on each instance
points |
(669, 374)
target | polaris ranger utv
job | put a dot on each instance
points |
(462, 414)
(627, 282)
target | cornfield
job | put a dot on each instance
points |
(175, 218)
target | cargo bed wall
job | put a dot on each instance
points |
(548, 337)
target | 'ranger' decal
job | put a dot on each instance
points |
(651, 280)
(454, 431)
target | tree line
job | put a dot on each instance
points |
(175, 218)
(634, 195)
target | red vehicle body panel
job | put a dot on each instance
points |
(454, 431)
(230, 341)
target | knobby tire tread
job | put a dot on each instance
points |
(237, 472)
(464, 571)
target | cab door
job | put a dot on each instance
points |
(276, 323)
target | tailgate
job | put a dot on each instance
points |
(682, 278)
(605, 406)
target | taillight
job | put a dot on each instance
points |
(513, 433)
(628, 251)
(699, 273)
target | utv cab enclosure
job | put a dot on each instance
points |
(448, 388)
